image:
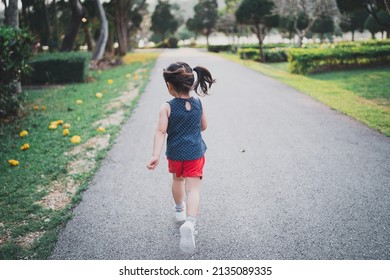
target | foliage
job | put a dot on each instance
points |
(205, 18)
(259, 15)
(308, 60)
(172, 42)
(271, 55)
(323, 25)
(15, 49)
(53, 166)
(69, 67)
(163, 22)
(220, 48)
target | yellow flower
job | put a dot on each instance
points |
(128, 75)
(66, 125)
(25, 147)
(53, 125)
(59, 122)
(110, 81)
(99, 95)
(79, 101)
(43, 108)
(23, 133)
(13, 162)
(101, 129)
(36, 107)
(75, 139)
(65, 132)
(135, 77)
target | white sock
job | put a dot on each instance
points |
(191, 219)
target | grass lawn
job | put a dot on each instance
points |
(37, 194)
(363, 94)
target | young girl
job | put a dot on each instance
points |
(183, 119)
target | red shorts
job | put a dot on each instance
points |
(187, 168)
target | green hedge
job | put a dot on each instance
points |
(270, 55)
(64, 67)
(220, 48)
(302, 61)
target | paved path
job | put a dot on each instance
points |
(311, 184)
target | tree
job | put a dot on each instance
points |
(205, 18)
(304, 13)
(372, 26)
(163, 22)
(353, 21)
(323, 25)
(103, 36)
(73, 25)
(373, 7)
(11, 13)
(258, 15)
(384, 17)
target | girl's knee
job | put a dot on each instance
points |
(177, 179)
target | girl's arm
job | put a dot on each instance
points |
(159, 136)
(203, 120)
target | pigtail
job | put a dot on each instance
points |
(204, 78)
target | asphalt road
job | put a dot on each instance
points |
(286, 177)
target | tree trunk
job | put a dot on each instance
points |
(24, 15)
(102, 41)
(11, 14)
(88, 38)
(260, 33)
(12, 19)
(73, 26)
(121, 22)
(353, 36)
(55, 25)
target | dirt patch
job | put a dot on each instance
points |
(124, 99)
(89, 148)
(6, 234)
(27, 240)
(80, 166)
(113, 119)
(60, 194)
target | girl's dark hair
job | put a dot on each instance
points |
(181, 77)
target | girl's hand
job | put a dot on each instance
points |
(153, 163)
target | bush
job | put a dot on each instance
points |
(220, 48)
(15, 49)
(270, 55)
(304, 61)
(63, 67)
(172, 42)
(275, 55)
(251, 54)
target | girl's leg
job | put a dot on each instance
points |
(178, 189)
(192, 188)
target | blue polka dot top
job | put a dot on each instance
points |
(184, 140)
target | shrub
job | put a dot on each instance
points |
(172, 42)
(220, 48)
(251, 54)
(15, 49)
(270, 55)
(275, 55)
(63, 67)
(303, 61)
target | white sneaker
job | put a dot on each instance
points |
(181, 213)
(187, 240)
